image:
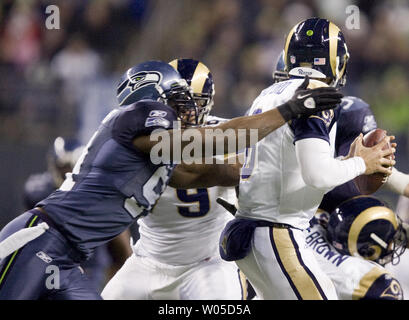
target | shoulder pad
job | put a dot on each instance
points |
(142, 118)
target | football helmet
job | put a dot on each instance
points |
(157, 80)
(279, 74)
(364, 226)
(200, 79)
(317, 48)
(62, 157)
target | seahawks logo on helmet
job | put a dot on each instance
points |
(154, 80)
(144, 78)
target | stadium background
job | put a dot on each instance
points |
(62, 82)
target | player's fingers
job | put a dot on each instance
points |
(328, 100)
(393, 145)
(383, 143)
(384, 170)
(328, 95)
(387, 152)
(326, 90)
(358, 140)
(387, 162)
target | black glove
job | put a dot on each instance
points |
(306, 102)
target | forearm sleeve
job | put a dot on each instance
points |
(397, 182)
(320, 170)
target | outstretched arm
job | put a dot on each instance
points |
(304, 102)
(205, 175)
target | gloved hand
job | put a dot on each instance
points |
(306, 102)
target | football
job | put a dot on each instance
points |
(368, 184)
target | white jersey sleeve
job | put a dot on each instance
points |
(271, 185)
(319, 169)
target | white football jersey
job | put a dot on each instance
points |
(271, 185)
(185, 225)
(354, 277)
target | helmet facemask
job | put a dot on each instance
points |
(279, 76)
(180, 98)
(387, 248)
(396, 247)
(204, 103)
(364, 226)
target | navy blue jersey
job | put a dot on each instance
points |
(355, 116)
(315, 126)
(37, 187)
(112, 183)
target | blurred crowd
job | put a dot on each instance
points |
(63, 81)
(50, 79)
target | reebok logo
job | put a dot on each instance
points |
(43, 256)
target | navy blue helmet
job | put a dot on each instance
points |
(364, 226)
(62, 157)
(317, 44)
(279, 74)
(200, 79)
(158, 81)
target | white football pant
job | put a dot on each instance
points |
(280, 267)
(142, 278)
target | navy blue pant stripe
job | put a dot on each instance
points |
(313, 278)
(282, 266)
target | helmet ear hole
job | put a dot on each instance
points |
(367, 251)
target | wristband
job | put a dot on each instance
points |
(285, 112)
(397, 181)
